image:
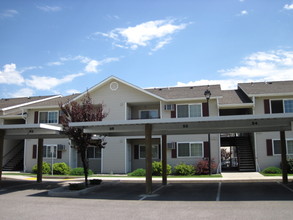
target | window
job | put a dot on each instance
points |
(189, 111)
(277, 146)
(155, 151)
(288, 106)
(94, 152)
(190, 150)
(149, 114)
(49, 117)
(50, 151)
(281, 106)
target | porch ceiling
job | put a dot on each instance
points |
(31, 131)
(203, 125)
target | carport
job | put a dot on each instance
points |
(202, 125)
(29, 131)
(150, 127)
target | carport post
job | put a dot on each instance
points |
(1, 151)
(40, 160)
(164, 159)
(148, 158)
(284, 157)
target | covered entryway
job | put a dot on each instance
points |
(181, 126)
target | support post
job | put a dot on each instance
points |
(164, 159)
(210, 162)
(148, 158)
(284, 157)
(40, 160)
(1, 151)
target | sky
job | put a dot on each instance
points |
(52, 47)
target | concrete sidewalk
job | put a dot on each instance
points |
(226, 177)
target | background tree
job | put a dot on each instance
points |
(81, 112)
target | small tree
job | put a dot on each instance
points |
(75, 112)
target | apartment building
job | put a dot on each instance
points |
(250, 151)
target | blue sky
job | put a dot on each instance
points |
(64, 46)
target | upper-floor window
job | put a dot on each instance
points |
(190, 149)
(282, 106)
(189, 111)
(277, 146)
(148, 114)
(50, 117)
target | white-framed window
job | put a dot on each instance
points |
(50, 151)
(49, 117)
(149, 114)
(189, 110)
(277, 146)
(282, 106)
(155, 151)
(94, 152)
(190, 149)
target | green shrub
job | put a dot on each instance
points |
(78, 171)
(157, 168)
(61, 168)
(46, 168)
(184, 169)
(138, 172)
(272, 170)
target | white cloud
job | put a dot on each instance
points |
(276, 65)
(25, 92)
(72, 91)
(8, 13)
(10, 75)
(48, 8)
(47, 82)
(91, 67)
(244, 12)
(288, 7)
(156, 33)
(56, 63)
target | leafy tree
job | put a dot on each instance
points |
(82, 112)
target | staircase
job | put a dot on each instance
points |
(246, 160)
(15, 163)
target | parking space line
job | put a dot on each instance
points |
(151, 195)
(219, 192)
(291, 190)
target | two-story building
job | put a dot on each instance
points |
(124, 101)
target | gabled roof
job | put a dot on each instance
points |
(11, 103)
(267, 88)
(111, 78)
(183, 93)
(52, 103)
(234, 97)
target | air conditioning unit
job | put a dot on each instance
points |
(169, 107)
(61, 147)
(171, 146)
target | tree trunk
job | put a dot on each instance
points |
(85, 166)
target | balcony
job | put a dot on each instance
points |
(143, 111)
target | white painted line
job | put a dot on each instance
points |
(219, 192)
(291, 190)
(144, 196)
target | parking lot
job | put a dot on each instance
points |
(256, 200)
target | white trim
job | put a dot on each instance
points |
(29, 103)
